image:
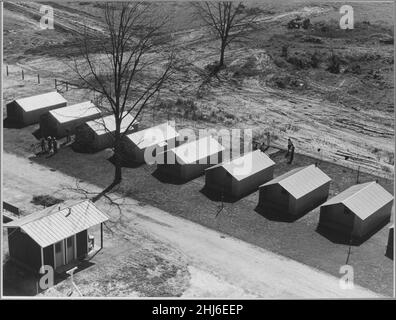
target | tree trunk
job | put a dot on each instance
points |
(222, 50)
(117, 155)
(118, 170)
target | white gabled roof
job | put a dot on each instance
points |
(107, 124)
(40, 101)
(76, 111)
(247, 165)
(362, 199)
(192, 152)
(59, 222)
(301, 181)
(153, 136)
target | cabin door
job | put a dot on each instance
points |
(69, 249)
(59, 261)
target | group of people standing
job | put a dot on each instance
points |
(49, 145)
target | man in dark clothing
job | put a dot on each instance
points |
(55, 144)
(42, 143)
(49, 143)
(289, 145)
(291, 153)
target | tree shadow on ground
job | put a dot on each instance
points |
(125, 163)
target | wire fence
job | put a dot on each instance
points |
(28, 75)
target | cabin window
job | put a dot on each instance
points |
(69, 242)
(58, 247)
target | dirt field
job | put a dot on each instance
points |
(149, 252)
(347, 113)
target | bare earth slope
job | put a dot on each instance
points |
(341, 114)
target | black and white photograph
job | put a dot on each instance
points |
(190, 150)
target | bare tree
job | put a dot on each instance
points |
(123, 65)
(228, 20)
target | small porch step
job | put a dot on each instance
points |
(63, 269)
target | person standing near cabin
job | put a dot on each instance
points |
(268, 139)
(55, 144)
(291, 154)
(49, 144)
(43, 145)
(289, 145)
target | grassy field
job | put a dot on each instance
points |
(298, 240)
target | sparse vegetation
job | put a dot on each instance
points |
(46, 200)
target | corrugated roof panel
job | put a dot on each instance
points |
(363, 199)
(76, 111)
(40, 101)
(192, 152)
(339, 198)
(301, 181)
(248, 164)
(153, 136)
(283, 176)
(107, 124)
(54, 225)
(368, 200)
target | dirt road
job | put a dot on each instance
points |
(214, 260)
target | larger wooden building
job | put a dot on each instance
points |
(55, 236)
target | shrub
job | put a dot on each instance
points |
(46, 200)
(300, 62)
(335, 64)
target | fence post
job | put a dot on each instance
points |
(55, 84)
(38, 78)
(7, 69)
(67, 86)
(23, 75)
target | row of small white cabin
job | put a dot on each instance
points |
(357, 211)
(50, 109)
